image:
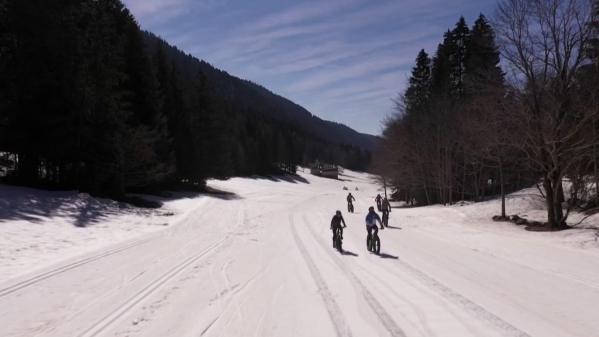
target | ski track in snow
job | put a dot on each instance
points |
(104, 323)
(230, 268)
(335, 313)
(151, 288)
(59, 270)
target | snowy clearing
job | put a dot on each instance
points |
(259, 262)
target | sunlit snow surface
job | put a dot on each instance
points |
(256, 260)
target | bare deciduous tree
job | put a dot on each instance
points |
(543, 41)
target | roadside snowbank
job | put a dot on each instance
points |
(39, 228)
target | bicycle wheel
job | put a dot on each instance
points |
(376, 246)
(368, 244)
(338, 240)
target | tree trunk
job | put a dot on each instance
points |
(549, 195)
(560, 192)
(555, 213)
(558, 199)
(501, 182)
(428, 198)
(595, 173)
(27, 169)
(475, 183)
(464, 178)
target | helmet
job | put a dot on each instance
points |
(338, 213)
(370, 209)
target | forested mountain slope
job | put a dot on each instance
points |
(89, 101)
(248, 95)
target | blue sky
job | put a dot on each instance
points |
(343, 60)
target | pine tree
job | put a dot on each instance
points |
(459, 44)
(483, 71)
(149, 158)
(6, 84)
(441, 69)
(593, 47)
(417, 94)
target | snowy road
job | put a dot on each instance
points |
(261, 264)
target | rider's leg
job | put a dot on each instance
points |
(333, 237)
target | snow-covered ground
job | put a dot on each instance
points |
(39, 228)
(259, 262)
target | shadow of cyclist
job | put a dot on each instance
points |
(387, 256)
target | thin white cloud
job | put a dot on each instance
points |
(300, 13)
(335, 57)
(142, 8)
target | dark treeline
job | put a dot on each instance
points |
(440, 150)
(465, 130)
(89, 101)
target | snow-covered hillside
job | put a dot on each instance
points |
(258, 261)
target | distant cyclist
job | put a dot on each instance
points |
(386, 209)
(378, 200)
(350, 205)
(371, 219)
(336, 222)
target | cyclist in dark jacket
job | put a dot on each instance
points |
(336, 222)
(350, 206)
(386, 209)
(378, 200)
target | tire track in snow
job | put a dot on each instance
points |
(386, 320)
(472, 308)
(452, 296)
(337, 318)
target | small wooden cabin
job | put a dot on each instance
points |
(325, 170)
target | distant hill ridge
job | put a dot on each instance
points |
(246, 93)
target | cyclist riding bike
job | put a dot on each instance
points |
(336, 222)
(350, 205)
(378, 201)
(386, 209)
(371, 219)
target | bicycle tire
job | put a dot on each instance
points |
(338, 240)
(376, 245)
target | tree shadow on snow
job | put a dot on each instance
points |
(290, 178)
(219, 194)
(80, 209)
(36, 206)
